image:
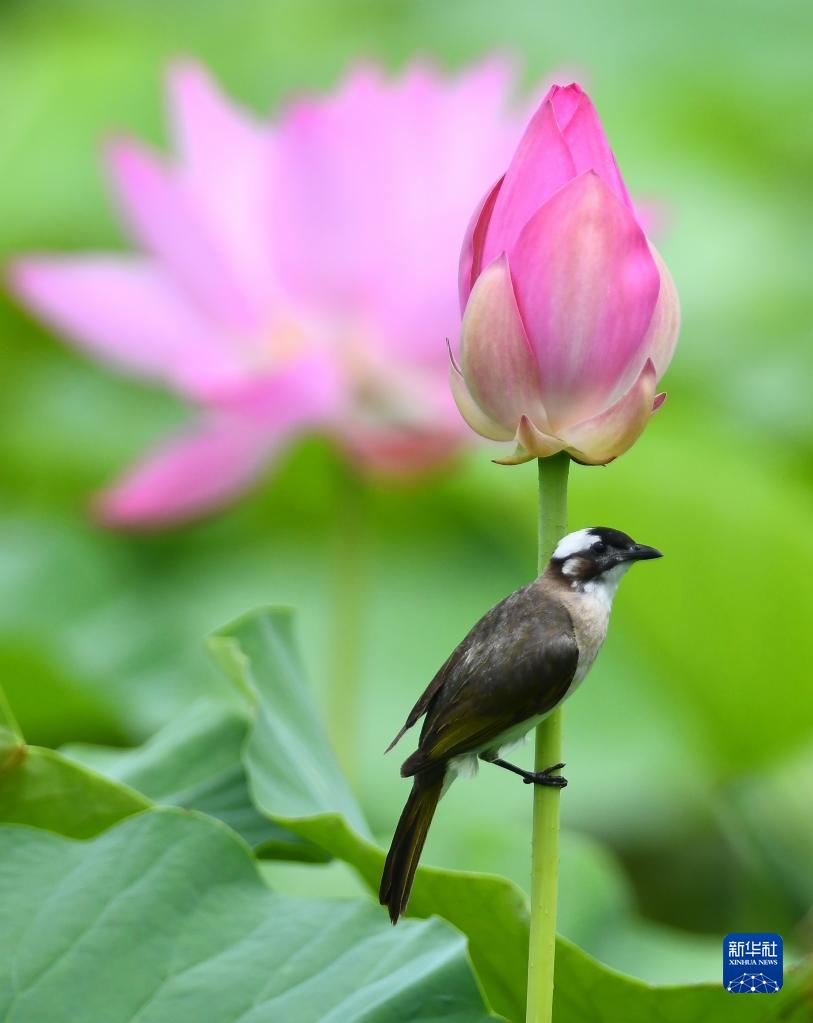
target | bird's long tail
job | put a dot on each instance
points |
(408, 840)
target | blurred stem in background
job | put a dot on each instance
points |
(545, 840)
(350, 577)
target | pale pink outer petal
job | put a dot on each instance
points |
(471, 411)
(496, 358)
(226, 166)
(586, 287)
(168, 221)
(662, 335)
(541, 165)
(585, 139)
(531, 443)
(606, 436)
(188, 476)
(122, 309)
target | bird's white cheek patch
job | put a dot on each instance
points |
(571, 567)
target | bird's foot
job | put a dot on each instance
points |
(546, 777)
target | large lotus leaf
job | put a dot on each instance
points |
(287, 742)
(165, 918)
(46, 790)
(195, 762)
(258, 653)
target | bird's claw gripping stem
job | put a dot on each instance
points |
(546, 777)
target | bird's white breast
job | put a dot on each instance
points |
(590, 612)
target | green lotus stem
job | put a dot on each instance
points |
(347, 606)
(545, 840)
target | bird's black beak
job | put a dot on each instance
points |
(640, 552)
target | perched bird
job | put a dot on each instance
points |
(514, 667)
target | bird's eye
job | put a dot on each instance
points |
(599, 548)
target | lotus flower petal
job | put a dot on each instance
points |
(364, 212)
(497, 362)
(205, 125)
(398, 453)
(664, 327)
(586, 286)
(226, 171)
(306, 389)
(471, 255)
(585, 138)
(471, 411)
(604, 437)
(202, 470)
(187, 476)
(541, 166)
(122, 309)
(565, 100)
(164, 217)
(531, 443)
(328, 231)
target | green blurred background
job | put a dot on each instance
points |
(690, 750)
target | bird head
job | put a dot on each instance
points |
(593, 560)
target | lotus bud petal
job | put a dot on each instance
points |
(599, 440)
(503, 378)
(470, 410)
(570, 315)
(531, 443)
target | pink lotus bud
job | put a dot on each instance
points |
(570, 315)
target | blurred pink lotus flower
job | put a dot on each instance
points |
(570, 315)
(293, 276)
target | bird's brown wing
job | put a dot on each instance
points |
(515, 664)
(428, 694)
(473, 647)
